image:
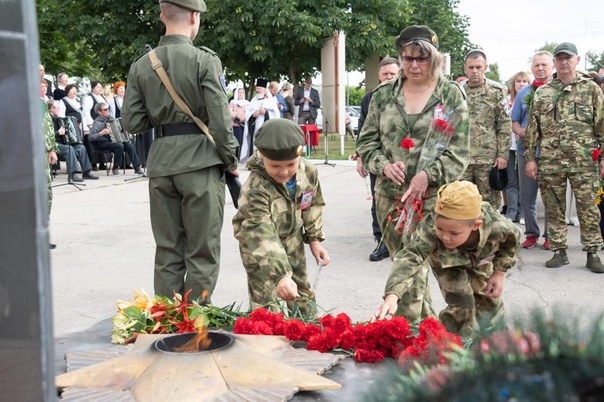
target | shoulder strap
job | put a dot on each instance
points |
(161, 72)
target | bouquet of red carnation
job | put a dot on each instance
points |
(442, 128)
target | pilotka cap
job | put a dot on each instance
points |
(416, 32)
(193, 5)
(280, 140)
(459, 200)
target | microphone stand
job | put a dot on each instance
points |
(325, 145)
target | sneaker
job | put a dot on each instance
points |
(594, 264)
(115, 172)
(529, 242)
(559, 259)
(380, 252)
(546, 244)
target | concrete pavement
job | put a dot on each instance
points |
(105, 250)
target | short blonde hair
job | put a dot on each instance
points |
(425, 49)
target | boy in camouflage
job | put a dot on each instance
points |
(469, 247)
(280, 209)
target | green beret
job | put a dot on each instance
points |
(193, 5)
(280, 140)
(416, 32)
(566, 47)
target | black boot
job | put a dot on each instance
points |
(380, 252)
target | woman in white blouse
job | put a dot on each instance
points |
(90, 100)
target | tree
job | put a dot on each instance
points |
(493, 72)
(256, 38)
(595, 60)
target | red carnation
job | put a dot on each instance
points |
(369, 356)
(537, 84)
(443, 127)
(407, 143)
(595, 154)
(293, 329)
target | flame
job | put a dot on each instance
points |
(201, 341)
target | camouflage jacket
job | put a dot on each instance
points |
(387, 124)
(566, 121)
(270, 225)
(490, 124)
(50, 144)
(496, 249)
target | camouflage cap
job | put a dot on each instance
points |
(459, 200)
(280, 140)
(416, 32)
(566, 47)
(193, 5)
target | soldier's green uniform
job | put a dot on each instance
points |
(462, 274)
(566, 124)
(273, 223)
(490, 128)
(379, 143)
(50, 144)
(186, 170)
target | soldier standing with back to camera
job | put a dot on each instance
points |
(566, 124)
(185, 169)
(490, 126)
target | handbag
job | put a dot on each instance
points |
(233, 183)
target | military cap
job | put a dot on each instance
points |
(262, 82)
(459, 200)
(416, 32)
(193, 5)
(498, 179)
(280, 140)
(566, 47)
(476, 52)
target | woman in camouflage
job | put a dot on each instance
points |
(404, 108)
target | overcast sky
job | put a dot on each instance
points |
(510, 31)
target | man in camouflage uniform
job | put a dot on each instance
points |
(490, 126)
(280, 209)
(566, 124)
(469, 246)
(51, 147)
(379, 144)
(185, 168)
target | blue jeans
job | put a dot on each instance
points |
(512, 191)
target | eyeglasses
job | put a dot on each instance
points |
(419, 60)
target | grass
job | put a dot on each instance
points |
(333, 145)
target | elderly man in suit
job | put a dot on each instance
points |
(307, 98)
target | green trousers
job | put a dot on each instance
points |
(187, 212)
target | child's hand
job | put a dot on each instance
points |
(319, 253)
(388, 307)
(287, 289)
(495, 285)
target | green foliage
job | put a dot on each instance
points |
(493, 72)
(548, 47)
(258, 38)
(595, 60)
(355, 95)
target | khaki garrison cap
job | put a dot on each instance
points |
(416, 32)
(280, 140)
(459, 200)
(193, 5)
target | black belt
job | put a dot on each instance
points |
(168, 130)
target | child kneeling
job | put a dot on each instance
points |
(469, 247)
(280, 209)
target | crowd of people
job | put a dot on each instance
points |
(437, 151)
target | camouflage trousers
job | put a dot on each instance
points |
(417, 302)
(49, 187)
(553, 193)
(468, 307)
(262, 290)
(479, 175)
